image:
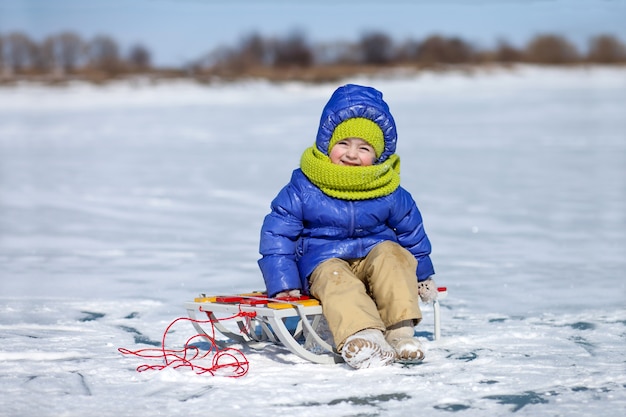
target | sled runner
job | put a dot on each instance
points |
(292, 322)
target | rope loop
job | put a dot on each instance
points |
(227, 361)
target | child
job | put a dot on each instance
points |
(344, 231)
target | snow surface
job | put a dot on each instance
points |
(119, 203)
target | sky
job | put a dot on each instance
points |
(180, 31)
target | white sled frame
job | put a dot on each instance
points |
(262, 321)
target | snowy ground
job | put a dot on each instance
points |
(120, 203)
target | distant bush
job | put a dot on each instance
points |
(606, 49)
(439, 50)
(551, 49)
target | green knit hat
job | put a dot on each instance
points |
(359, 127)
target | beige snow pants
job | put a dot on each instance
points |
(374, 292)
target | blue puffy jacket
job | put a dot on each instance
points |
(307, 227)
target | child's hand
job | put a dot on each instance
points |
(427, 290)
(290, 293)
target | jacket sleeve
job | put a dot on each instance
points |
(406, 220)
(280, 233)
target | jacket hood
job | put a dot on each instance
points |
(351, 101)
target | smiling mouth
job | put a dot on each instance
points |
(352, 164)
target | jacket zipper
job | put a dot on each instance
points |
(352, 218)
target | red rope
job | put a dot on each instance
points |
(230, 362)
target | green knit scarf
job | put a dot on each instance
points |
(351, 183)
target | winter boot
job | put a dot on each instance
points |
(407, 347)
(367, 349)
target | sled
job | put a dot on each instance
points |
(291, 322)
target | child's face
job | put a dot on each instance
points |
(352, 152)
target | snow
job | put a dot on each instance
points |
(119, 203)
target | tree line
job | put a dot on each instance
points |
(67, 55)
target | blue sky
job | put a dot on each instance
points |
(178, 31)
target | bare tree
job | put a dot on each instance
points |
(219, 60)
(139, 58)
(103, 54)
(551, 49)
(507, 53)
(2, 63)
(293, 51)
(20, 52)
(606, 49)
(408, 50)
(338, 53)
(377, 48)
(254, 50)
(63, 52)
